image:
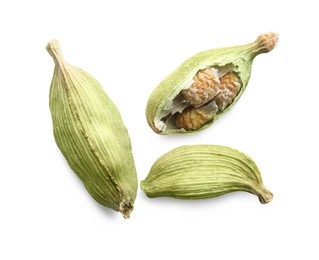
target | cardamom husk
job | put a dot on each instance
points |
(213, 78)
(204, 171)
(90, 133)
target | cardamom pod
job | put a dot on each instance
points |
(90, 133)
(204, 171)
(218, 76)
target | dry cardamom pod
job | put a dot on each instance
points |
(204, 171)
(217, 76)
(90, 133)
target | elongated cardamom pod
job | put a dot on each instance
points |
(214, 78)
(204, 171)
(90, 133)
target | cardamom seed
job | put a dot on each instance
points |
(195, 117)
(204, 171)
(90, 133)
(217, 75)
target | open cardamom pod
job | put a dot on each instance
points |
(204, 171)
(90, 133)
(204, 87)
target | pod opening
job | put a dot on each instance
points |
(211, 91)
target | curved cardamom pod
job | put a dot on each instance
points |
(90, 133)
(217, 75)
(204, 171)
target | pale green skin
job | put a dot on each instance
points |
(204, 171)
(90, 133)
(241, 57)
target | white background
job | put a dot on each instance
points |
(129, 46)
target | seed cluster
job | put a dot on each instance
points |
(207, 95)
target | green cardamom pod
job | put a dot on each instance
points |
(90, 133)
(204, 87)
(204, 171)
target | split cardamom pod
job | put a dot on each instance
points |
(204, 171)
(204, 87)
(90, 133)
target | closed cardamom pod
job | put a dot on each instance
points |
(90, 133)
(204, 87)
(204, 171)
